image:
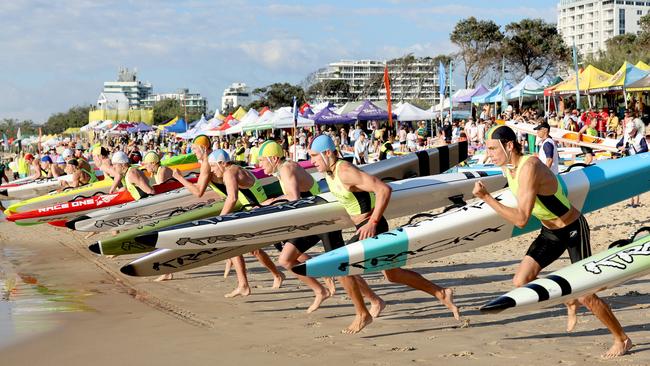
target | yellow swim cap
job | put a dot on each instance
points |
(271, 148)
(151, 157)
(97, 149)
(203, 141)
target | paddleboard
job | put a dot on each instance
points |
(625, 260)
(569, 137)
(477, 224)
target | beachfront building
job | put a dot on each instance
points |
(127, 85)
(237, 94)
(591, 23)
(413, 79)
(193, 102)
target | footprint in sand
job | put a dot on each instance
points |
(467, 354)
(403, 349)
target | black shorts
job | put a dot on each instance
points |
(331, 241)
(402, 142)
(382, 227)
(550, 244)
(587, 150)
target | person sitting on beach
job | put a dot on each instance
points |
(365, 198)
(297, 183)
(539, 194)
(239, 187)
(548, 149)
(129, 177)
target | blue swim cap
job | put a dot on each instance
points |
(46, 159)
(322, 143)
(218, 155)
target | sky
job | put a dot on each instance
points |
(57, 54)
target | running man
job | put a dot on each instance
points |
(365, 198)
(296, 182)
(239, 187)
(540, 194)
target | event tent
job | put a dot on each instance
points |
(368, 111)
(642, 84)
(643, 66)
(587, 79)
(284, 118)
(248, 119)
(409, 112)
(177, 127)
(351, 106)
(626, 75)
(494, 94)
(239, 113)
(528, 87)
(140, 127)
(328, 117)
(465, 95)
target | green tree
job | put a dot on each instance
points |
(278, 95)
(76, 116)
(624, 47)
(165, 110)
(534, 47)
(479, 42)
(10, 126)
(329, 88)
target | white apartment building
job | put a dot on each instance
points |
(191, 101)
(417, 80)
(591, 23)
(235, 95)
(134, 90)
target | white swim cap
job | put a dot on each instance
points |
(120, 158)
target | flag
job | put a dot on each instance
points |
(295, 112)
(388, 99)
(18, 134)
(441, 78)
(575, 67)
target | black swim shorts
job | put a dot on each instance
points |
(382, 227)
(331, 241)
(550, 244)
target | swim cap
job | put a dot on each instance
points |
(218, 155)
(79, 147)
(202, 140)
(120, 158)
(46, 159)
(67, 153)
(60, 160)
(151, 157)
(73, 162)
(322, 143)
(501, 133)
(271, 148)
(96, 149)
(29, 156)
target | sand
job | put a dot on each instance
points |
(187, 320)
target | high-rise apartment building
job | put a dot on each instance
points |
(409, 80)
(591, 23)
(127, 84)
(193, 102)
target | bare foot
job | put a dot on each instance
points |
(277, 281)
(318, 300)
(226, 271)
(331, 286)
(618, 349)
(165, 277)
(243, 292)
(448, 301)
(572, 315)
(360, 322)
(376, 307)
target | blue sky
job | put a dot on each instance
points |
(57, 54)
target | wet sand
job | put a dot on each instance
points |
(135, 320)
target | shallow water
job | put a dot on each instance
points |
(28, 306)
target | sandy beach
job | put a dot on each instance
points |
(128, 320)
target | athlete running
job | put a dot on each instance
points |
(365, 198)
(540, 194)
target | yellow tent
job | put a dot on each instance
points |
(71, 130)
(643, 66)
(160, 127)
(626, 75)
(239, 113)
(587, 79)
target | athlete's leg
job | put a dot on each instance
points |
(289, 258)
(376, 303)
(243, 289)
(622, 343)
(416, 281)
(363, 317)
(527, 271)
(262, 257)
